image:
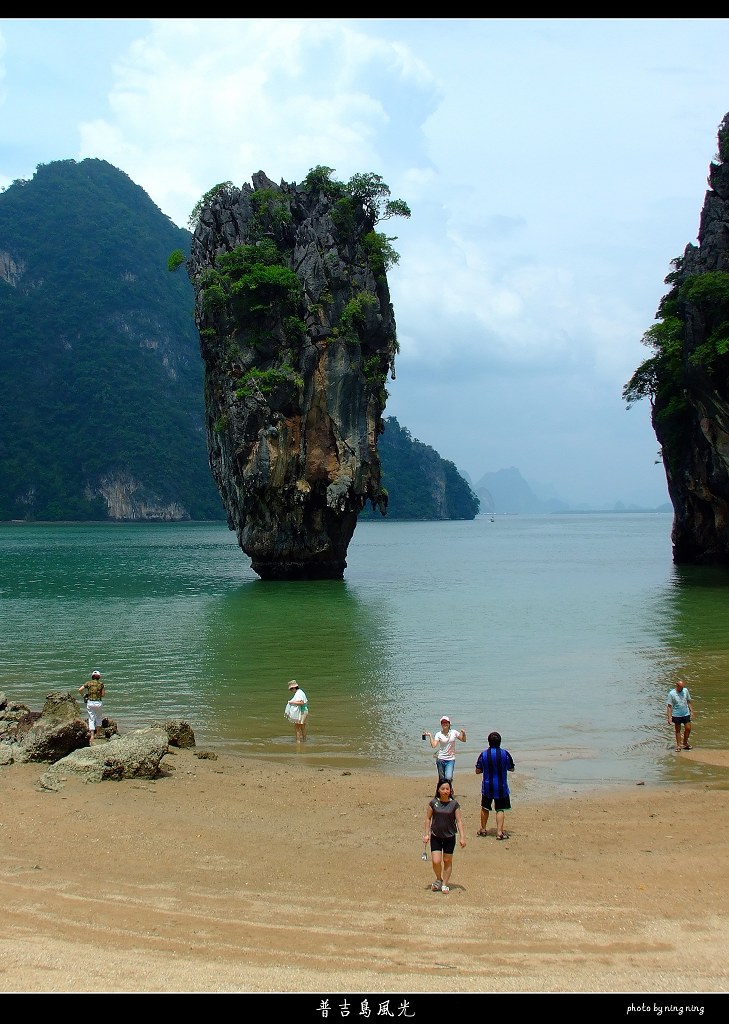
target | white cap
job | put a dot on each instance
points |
(96, 673)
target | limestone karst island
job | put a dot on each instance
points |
(297, 335)
(687, 379)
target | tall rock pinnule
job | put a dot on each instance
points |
(297, 335)
(687, 379)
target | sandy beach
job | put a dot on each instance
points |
(230, 876)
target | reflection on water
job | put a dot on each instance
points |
(694, 630)
(562, 632)
(333, 643)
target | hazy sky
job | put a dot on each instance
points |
(554, 168)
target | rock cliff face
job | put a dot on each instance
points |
(297, 335)
(129, 500)
(687, 379)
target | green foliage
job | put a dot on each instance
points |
(251, 281)
(238, 262)
(271, 204)
(214, 297)
(371, 191)
(709, 290)
(380, 252)
(267, 380)
(664, 368)
(319, 179)
(372, 370)
(224, 187)
(395, 208)
(344, 215)
(295, 328)
(354, 317)
(710, 351)
(175, 261)
(264, 287)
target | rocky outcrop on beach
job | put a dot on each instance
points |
(48, 735)
(297, 335)
(687, 379)
(137, 755)
(59, 734)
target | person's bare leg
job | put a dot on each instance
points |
(447, 867)
(437, 865)
(297, 727)
(686, 733)
(484, 819)
(677, 727)
(499, 823)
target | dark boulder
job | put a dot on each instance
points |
(179, 732)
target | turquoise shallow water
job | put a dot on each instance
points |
(562, 632)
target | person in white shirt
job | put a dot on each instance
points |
(445, 741)
(679, 712)
(297, 710)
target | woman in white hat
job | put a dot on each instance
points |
(93, 690)
(297, 710)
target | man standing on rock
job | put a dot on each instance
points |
(93, 690)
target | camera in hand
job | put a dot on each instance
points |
(425, 735)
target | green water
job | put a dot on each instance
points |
(562, 632)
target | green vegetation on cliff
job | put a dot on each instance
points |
(99, 355)
(690, 339)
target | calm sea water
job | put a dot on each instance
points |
(563, 632)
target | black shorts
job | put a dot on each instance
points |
(681, 721)
(502, 804)
(446, 845)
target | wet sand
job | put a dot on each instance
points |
(237, 876)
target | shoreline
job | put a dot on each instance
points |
(234, 875)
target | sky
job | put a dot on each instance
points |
(554, 168)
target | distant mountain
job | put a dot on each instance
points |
(506, 490)
(103, 409)
(419, 483)
(99, 355)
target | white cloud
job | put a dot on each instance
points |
(554, 168)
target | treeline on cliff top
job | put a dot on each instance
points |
(100, 361)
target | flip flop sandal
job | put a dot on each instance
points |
(436, 886)
(502, 836)
(482, 832)
(687, 747)
(445, 888)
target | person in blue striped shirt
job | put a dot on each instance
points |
(493, 765)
